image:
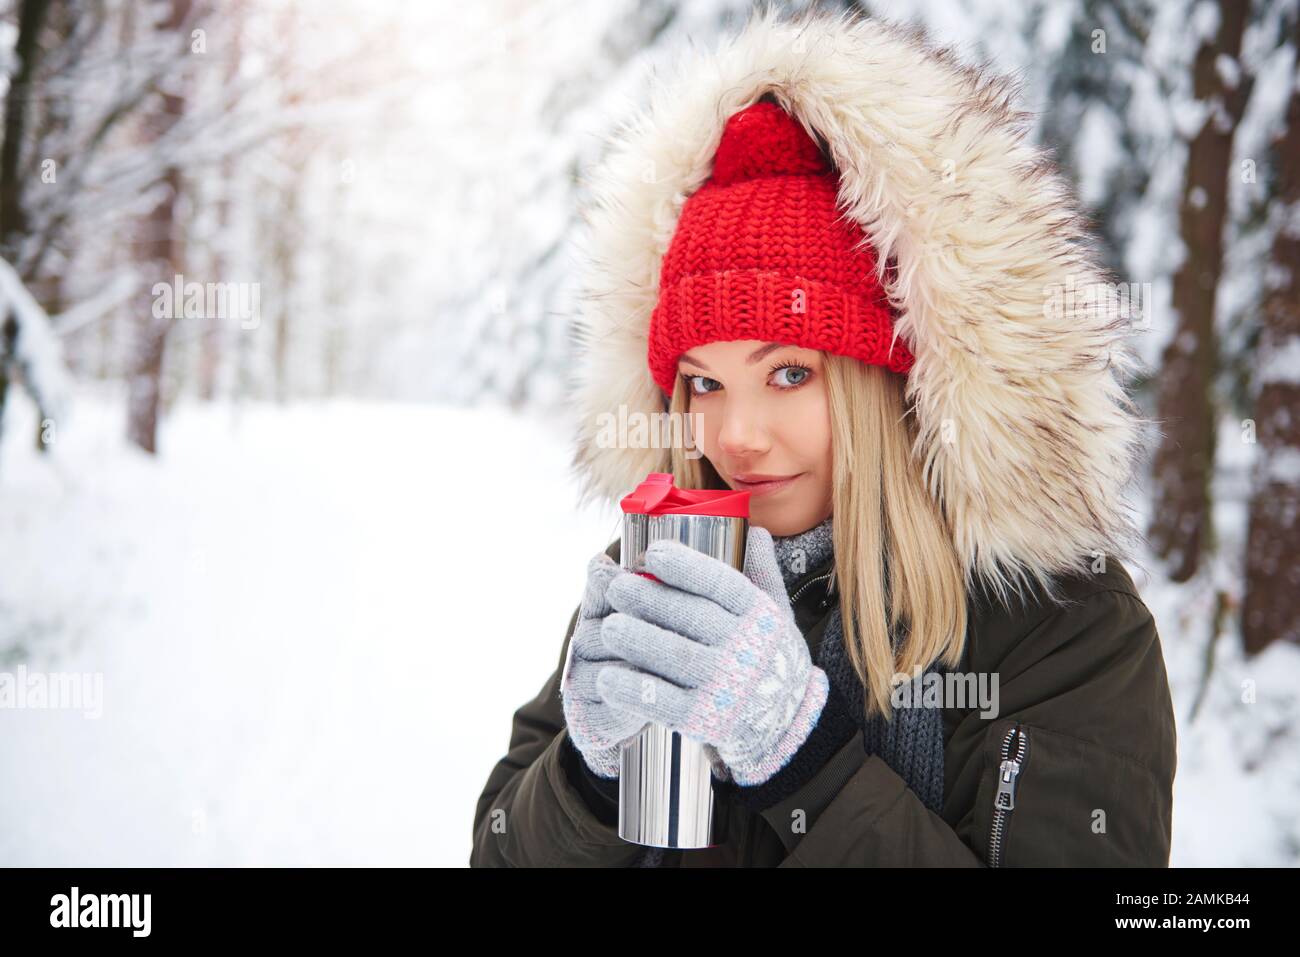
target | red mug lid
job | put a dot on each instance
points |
(658, 496)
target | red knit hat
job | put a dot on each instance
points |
(762, 251)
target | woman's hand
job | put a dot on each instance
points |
(714, 654)
(596, 729)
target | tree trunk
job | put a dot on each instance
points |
(160, 251)
(1271, 608)
(212, 354)
(144, 390)
(1184, 462)
(13, 221)
(8, 338)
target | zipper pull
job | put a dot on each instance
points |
(1006, 799)
(1009, 769)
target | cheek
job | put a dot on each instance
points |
(809, 432)
(705, 429)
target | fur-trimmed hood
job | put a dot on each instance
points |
(1026, 435)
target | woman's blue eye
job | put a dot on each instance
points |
(800, 373)
(690, 384)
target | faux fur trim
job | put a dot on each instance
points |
(1027, 438)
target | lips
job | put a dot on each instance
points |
(759, 484)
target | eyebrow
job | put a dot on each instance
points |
(754, 356)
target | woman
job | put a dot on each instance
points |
(829, 243)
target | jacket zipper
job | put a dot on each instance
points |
(1004, 802)
(806, 585)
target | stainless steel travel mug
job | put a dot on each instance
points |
(666, 796)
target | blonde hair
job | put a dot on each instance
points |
(897, 568)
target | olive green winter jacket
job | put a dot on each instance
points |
(1076, 769)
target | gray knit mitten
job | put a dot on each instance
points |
(596, 729)
(715, 654)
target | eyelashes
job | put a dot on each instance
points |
(791, 365)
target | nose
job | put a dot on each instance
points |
(743, 432)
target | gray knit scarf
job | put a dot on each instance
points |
(911, 742)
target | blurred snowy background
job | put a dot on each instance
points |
(270, 524)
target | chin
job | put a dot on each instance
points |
(778, 525)
(782, 520)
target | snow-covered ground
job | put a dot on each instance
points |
(313, 623)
